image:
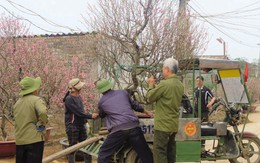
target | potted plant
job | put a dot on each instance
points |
(7, 147)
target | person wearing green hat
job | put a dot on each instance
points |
(76, 118)
(121, 122)
(30, 115)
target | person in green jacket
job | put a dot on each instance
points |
(167, 95)
(30, 115)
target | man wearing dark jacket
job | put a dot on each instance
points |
(121, 122)
(203, 94)
(75, 117)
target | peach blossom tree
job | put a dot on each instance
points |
(22, 55)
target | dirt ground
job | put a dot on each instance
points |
(50, 148)
(53, 146)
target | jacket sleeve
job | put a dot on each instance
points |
(41, 110)
(101, 112)
(75, 109)
(210, 94)
(156, 93)
(136, 106)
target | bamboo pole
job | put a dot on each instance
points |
(71, 149)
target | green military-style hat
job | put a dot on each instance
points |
(103, 85)
(28, 85)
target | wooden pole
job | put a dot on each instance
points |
(71, 149)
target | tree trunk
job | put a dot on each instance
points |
(3, 123)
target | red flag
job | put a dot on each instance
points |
(246, 73)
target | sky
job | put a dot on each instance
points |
(235, 22)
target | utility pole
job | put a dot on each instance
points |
(182, 49)
(182, 6)
(258, 64)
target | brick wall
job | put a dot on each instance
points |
(68, 46)
(75, 44)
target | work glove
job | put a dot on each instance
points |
(39, 126)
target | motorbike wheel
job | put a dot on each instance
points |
(252, 151)
(132, 157)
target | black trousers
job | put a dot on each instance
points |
(115, 140)
(204, 116)
(30, 153)
(77, 134)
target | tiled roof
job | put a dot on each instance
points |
(214, 56)
(57, 35)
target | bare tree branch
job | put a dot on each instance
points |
(134, 37)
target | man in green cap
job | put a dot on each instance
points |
(121, 122)
(30, 115)
(167, 95)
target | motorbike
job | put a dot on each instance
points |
(224, 138)
(228, 141)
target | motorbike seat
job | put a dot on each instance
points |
(207, 130)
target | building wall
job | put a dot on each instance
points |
(75, 45)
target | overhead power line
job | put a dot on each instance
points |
(33, 13)
(218, 26)
(21, 18)
(241, 10)
(30, 12)
(228, 19)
